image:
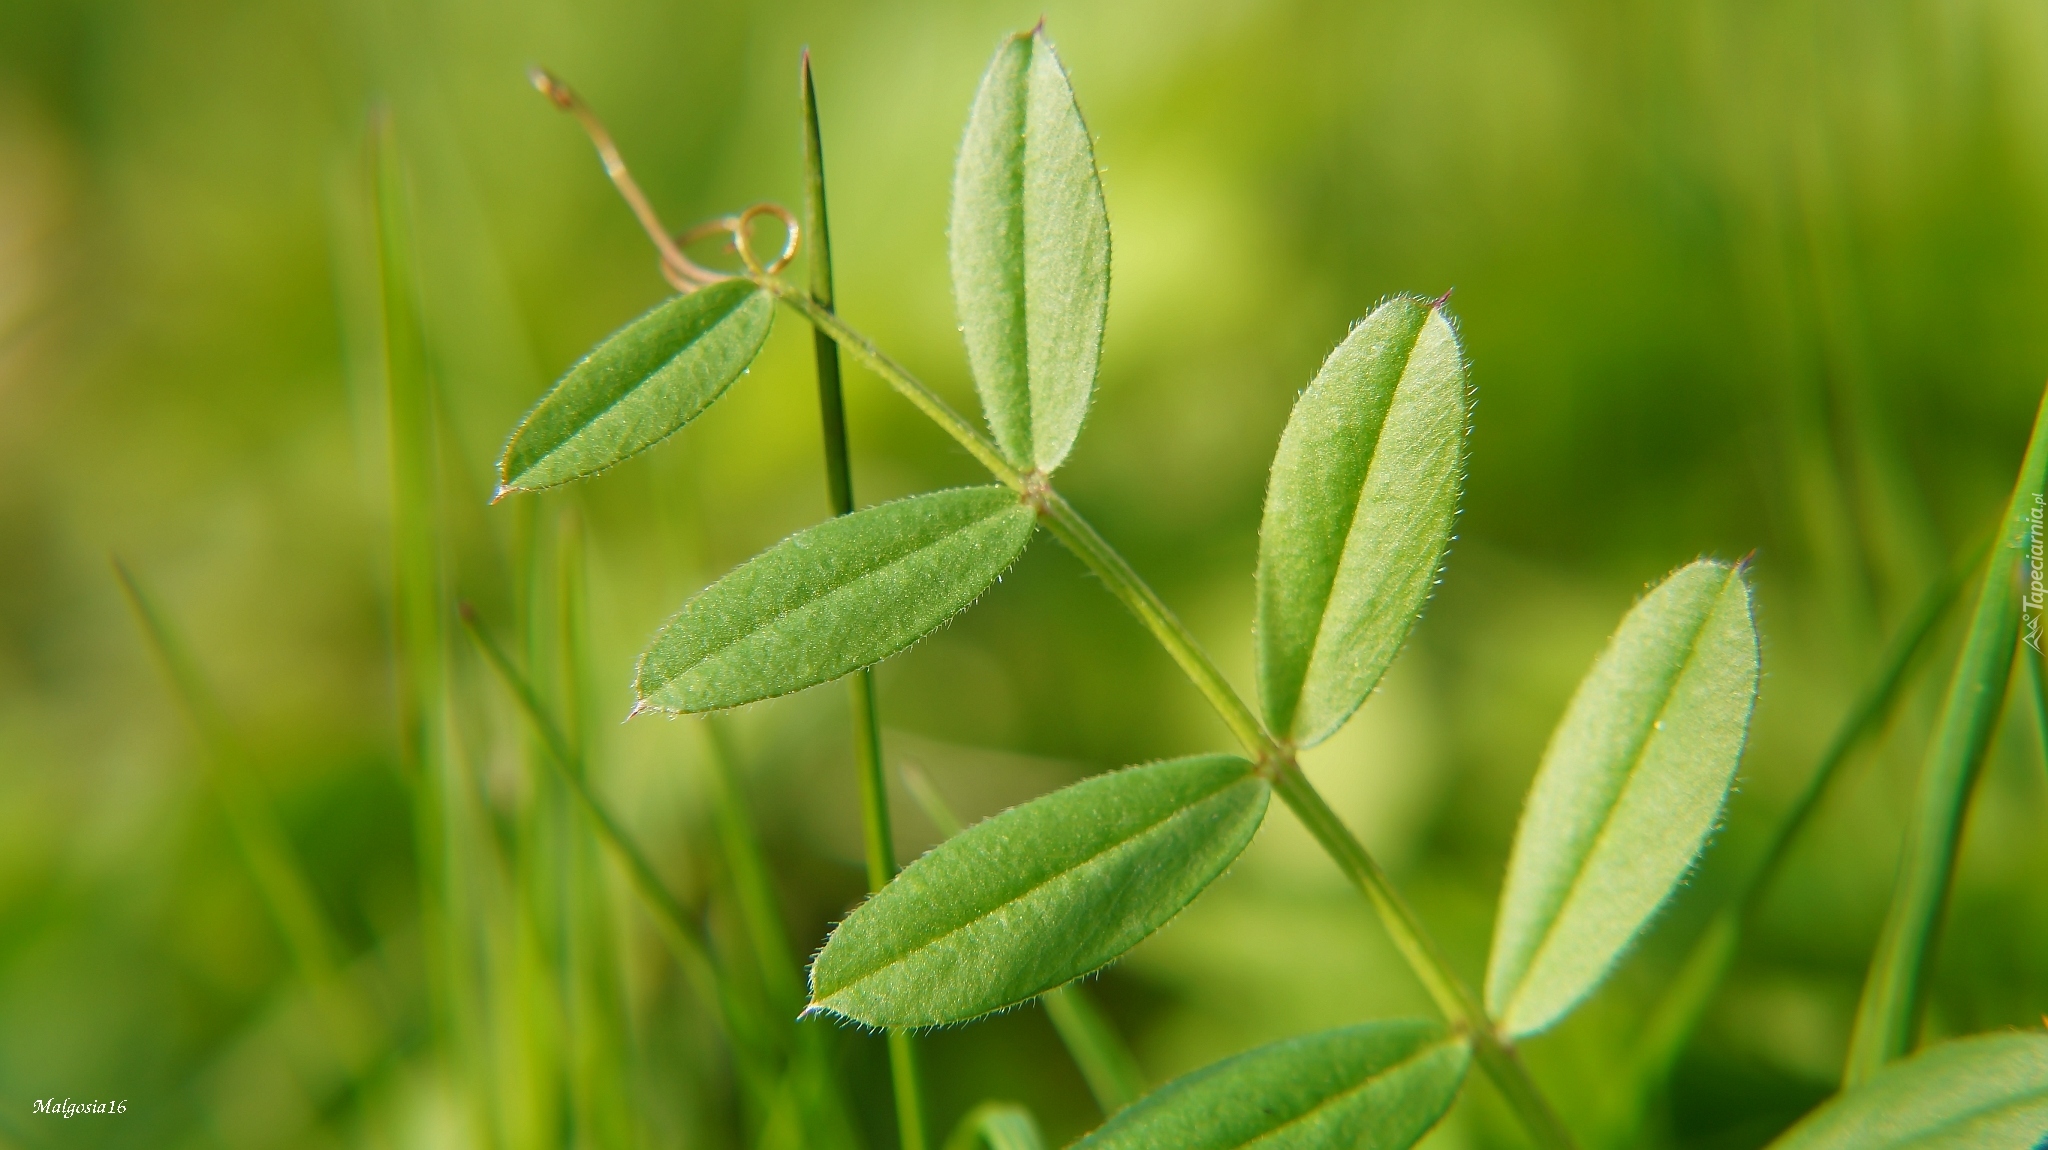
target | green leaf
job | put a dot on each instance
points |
(1379, 1086)
(1039, 895)
(1889, 1011)
(1358, 515)
(1629, 788)
(1030, 251)
(998, 1126)
(847, 593)
(1983, 1093)
(638, 387)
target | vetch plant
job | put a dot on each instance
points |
(1358, 520)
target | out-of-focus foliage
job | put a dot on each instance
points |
(1731, 276)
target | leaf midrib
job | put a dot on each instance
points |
(903, 956)
(1607, 813)
(1353, 496)
(607, 409)
(2038, 1094)
(836, 589)
(1332, 1100)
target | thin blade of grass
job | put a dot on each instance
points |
(419, 631)
(601, 1056)
(744, 1026)
(1105, 1062)
(1889, 1012)
(354, 1027)
(815, 1088)
(877, 838)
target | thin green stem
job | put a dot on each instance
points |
(748, 864)
(909, 1093)
(815, 1090)
(1084, 541)
(671, 921)
(1456, 1000)
(1275, 759)
(1105, 1062)
(1889, 1012)
(899, 378)
(356, 1030)
(867, 719)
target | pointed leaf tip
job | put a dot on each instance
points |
(1030, 253)
(1628, 791)
(1359, 509)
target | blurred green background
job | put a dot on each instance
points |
(1733, 276)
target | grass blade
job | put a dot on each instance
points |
(877, 838)
(1105, 1062)
(832, 599)
(1358, 515)
(1379, 1086)
(1629, 788)
(750, 1033)
(1030, 253)
(1889, 1011)
(1984, 1093)
(1039, 895)
(638, 387)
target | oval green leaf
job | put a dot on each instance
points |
(638, 387)
(832, 599)
(1629, 788)
(1039, 895)
(1030, 253)
(1379, 1086)
(1983, 1093)
(1358, 517)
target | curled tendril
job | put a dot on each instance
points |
(682, 273)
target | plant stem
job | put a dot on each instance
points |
(1452, 996)
(1889, 1012)
(898, 377)
(867, 719)
(1275, 759)
(1084, 541)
